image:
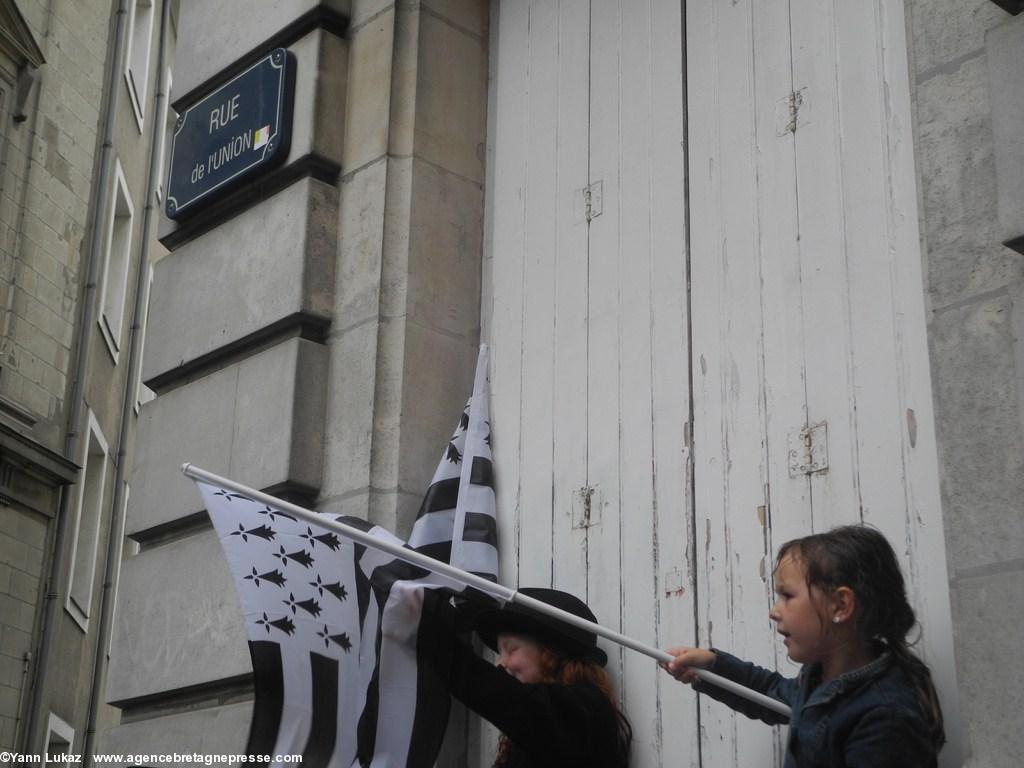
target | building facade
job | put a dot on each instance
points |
(81, 120)
(746, 270)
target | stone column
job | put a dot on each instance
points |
(407, 303)
(968, 85)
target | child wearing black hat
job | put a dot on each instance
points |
(549, 692)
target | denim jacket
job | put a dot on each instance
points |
(867, 718)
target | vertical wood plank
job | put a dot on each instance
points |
(704, 121)
(480, 737)
(788, 512)
(871, 278)
(928, 574)
(636, 491)
(570, 331)
(729, 469)
(510, 90)
(535, 495)
(490, 187)
(824, 260)
(869, 275)
(676, 716)
(604, 562)
(508, 94)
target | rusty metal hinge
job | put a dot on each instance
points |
(787, 112)
(808, 450)
(586, 506)
(593, 200)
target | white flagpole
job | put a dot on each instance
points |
(464, 578)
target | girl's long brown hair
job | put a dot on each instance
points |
(861, 558)
(560, 670)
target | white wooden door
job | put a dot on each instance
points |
(803, 306)
(588, 326)
(807, 306)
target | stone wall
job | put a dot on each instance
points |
(46, 185)
(43, 211)
(312, 333)
(975, 293)
(21, 563)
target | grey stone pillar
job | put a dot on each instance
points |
(313, 333)
(407, 308)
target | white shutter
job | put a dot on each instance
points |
(807, 323)
(587, 322)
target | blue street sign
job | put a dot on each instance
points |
(238, 131)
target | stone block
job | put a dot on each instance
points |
(178, 620)
(7, 729)
(24, 587)
(273, 262)
(38, 400)
(13, 552)
(356, 504)
(9, 520)
(361, 234)
(211, 731)
(320, 84)
(404, 72)
(445, 243)
(259, 421)
(1003, 45)
(349, 434)
(978, 427)
(397, 232)
(32, 531)
(8, 699)
(990, 675)
(957, 162)
(10, 609)
(365, 10)
(317, 123)
(213, 35)
(451, 98)
(470, 15)
(11, 671)
(367, 123)
(14, 642)
(27, 616)
(946, 32)
(438, 370)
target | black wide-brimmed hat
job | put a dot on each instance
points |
(565, 639)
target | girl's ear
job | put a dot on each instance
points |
(844, 603)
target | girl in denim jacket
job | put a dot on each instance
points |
(863, 698)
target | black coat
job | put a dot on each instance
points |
(548, 724)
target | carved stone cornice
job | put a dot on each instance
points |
(16, 39)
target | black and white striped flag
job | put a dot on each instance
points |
(456, 521)
(333, 625)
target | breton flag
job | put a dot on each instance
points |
(456, 520)
(332, 625)
(455, 524)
